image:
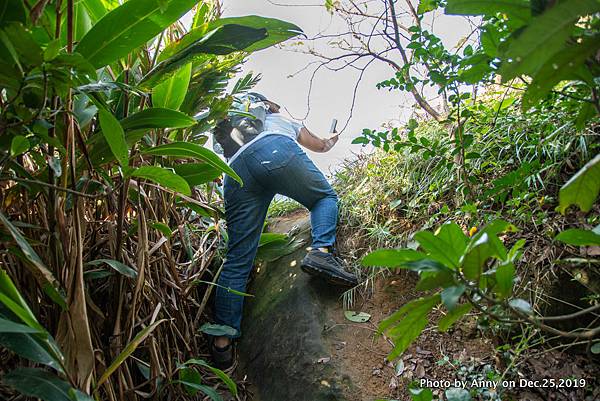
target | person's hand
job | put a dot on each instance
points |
(328, 143)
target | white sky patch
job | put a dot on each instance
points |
(332, 91)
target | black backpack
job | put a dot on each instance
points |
(242, 125)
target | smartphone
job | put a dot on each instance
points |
(333, 125)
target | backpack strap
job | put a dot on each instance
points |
(238, 129)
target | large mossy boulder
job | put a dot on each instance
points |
(284, 349)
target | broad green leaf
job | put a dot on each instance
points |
(473, 70)
(116, 265)
(518, 9)
(426, 6)
(197, 173)
(218, 372)
(157, 117)
(135, 127)
(115, 137)
(430, 280)
(37, 346)
(78, 63)
(582, 189)
(578, 237)
(36, 266)
(391, 257)
(12, 11)
(454, 237)
(586, 113)
(10, 76)
(29, 346)
(277, 31)
(223, 40)
(204, 211)
(77, 395)
(190, 375)
(437, 248)
(128, 27)
(266, 238)
(452, 316)
(209, 391)
(451, 295)
(163, 176)
(218, 330)
(515, 251)
(408, 323)
(81, 22)
(498, 226)
(52, 49)
(225, 379)
(171, 93)
(128, 350)
(163, 228)
(427, 265)
(421, 394)
(100, 152)
(562, 66)
(96, 9)
(14, 301)
(202, 12)
(544, 37)
(360, 140)
(39, 383)
(421, 304)
(480, 250)
(19, 145)
(505, 277)
(8, 326)
(25, 50)
(490, 40)
(357, 317)
(185, 149)
(97, 274)
(595, 348)
(275, 249)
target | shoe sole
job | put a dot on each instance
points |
(318, 272)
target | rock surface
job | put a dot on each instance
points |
(285, 349)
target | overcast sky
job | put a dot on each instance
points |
(331, 96)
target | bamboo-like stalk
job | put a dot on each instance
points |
(79, 223)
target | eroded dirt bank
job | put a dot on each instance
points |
(298, 345)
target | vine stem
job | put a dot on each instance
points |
(419, 99)
(536, 321)
(52, 186)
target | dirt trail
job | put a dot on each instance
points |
(298, 345)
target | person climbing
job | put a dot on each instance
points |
(270, 162)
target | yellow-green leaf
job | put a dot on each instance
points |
(171, 93)
(138, 339)
(128, 27)
(582, 189)
(115, 136)
(44, 277)
(192, 150)
(163, 176)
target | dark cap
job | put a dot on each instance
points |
(262, 98)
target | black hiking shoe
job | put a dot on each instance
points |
(327, 266)
(222, 358)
